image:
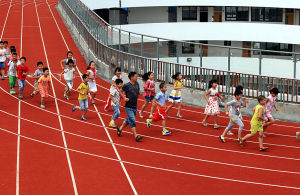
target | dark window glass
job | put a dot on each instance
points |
(289, 10)
(246, 43)
(237, 13)
(188, 48)
(266, 14)
(218, 9)
(274, 47)
(227, 43)
(203, 8)
(189, 13)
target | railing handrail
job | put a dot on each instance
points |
(181, 41)
(189, 66)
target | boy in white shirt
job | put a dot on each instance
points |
(37, 74)
(114, 94)
(12, 71)
(2, 59)
(69, 76)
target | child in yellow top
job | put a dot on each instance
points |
(83, 90)
(175, 95)
(257, 123)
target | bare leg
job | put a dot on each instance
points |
(204, 120)
(260, 139)
(225, 132)
(240, 134)
(216, 126)
(179, 108)
(42, 101)
(84, 112)
(163, 124)
(124, 124)
(171, 105)
(133, 129)
(152, 108)
(248, 136)
(143, 107)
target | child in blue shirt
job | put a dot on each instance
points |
(160, 101)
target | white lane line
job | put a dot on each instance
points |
(153, 167)
(6, 19)
(99, 116)
(151, 151)
(162, 139)
(57, 109)
(18, 151)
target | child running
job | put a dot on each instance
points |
(91, 72)
(238, 88)
(2, 59)
(149, 93)
(69, 76)
(44, 86)
(235, 118)
(37, 75)
(175, 96)
(12, 70)
(160, 101)
(83, 90)
(270, 104)
(115, 100)
(257, 123)
(63, 63)
(22, 71)
(115, 77)
(212, 107)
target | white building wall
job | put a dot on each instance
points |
(148, 15)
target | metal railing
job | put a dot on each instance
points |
(101, 39)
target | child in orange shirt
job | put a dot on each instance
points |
(44, 86)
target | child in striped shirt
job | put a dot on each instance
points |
(114, 95)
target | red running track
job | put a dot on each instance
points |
(51, 151)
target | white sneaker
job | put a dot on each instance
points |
(43, 107)
(229, 133)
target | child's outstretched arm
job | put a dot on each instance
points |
(245, 101)
(226, 108)
(60, 76)
(175, 86)
(122, 95)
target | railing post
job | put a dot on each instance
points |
(111, 37)
(201, 49)
(119, 39)
(142, 45)
(157, 48)
(177, 52)
(295, 75)
(167, 71)
(129, 42)
(229, 55)
(155, 70)
(260, 59)
(193, 78)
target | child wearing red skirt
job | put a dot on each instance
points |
(160, 101)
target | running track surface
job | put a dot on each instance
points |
(52, 152)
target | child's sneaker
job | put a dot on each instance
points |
(20, 97)
(74, 108)
(166, 132)
(141, 115)
(43, 106)
(11, 91)
(82, 118)
(31, 95)
(112, 124)
(297, 136)
(149, 123)
(179, 115)
(222, 139)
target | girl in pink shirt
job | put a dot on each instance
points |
(149, 92)
(270, 105)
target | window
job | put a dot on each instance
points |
(237, 13)
(218, 9)
(274, 47)
(204, 9)
(266, 14)
(289, 10)
(188, 48)
(189, 13)
(227, 43)
(246, 44)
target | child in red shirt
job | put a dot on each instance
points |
(22, 71)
